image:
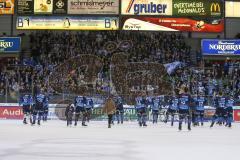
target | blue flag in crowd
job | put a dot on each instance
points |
(171, 67)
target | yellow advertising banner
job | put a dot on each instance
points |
(6, 7)
(232, 9)
(43, 6)
(67, 23)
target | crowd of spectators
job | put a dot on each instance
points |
(210, 80)
(118, 61)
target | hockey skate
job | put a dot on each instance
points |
(25, 121)
(165, 121)
(229, 125)
(211, 124)
(180, 127)
(33, 122)
(83, 124)
(189, 127)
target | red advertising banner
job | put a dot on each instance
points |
(11, 112)
(173, 24)
(236, 115)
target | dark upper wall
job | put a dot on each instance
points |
(5, 24)
(232, 27)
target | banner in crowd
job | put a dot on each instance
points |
(171, 67)
(67, 23)
(220, 47)
(173, 24)
(10, 44)
(213, 8)
(93, 7)
(6, 7)
(146, 7)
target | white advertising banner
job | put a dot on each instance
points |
(146, 7)
(93, 6)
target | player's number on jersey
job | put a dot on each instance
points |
(25, 100)
(183, 102)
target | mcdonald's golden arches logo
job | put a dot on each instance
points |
(215, 9)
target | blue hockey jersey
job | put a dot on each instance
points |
(230, 102)
(89, 103)
(184, 102)
(46, 102)
(26, 100)
(155, 105)
(140, 102)
(199, 103)
(80, 101)
(174, 103)
(119, 104)
(40, 99)
(221, 102)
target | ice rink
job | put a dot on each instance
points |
(54, 141)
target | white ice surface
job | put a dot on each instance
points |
(54, 141)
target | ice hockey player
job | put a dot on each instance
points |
(38, 107)
(109, 108)
(141, 108)
(172, 109)
(119, 110)
(220, 103)
(45, 110)
(80, 103)
(155, 107)
(229, 111)
(199, 103)
(69, 114)
(26, 102)
(89, 106)
(184, 109)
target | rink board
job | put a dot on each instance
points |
(56, 112)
